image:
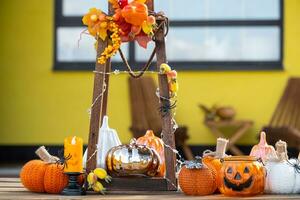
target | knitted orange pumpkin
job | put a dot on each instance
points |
(213, 159)
(32, 175)
(55, 180)
(195, 178)
(212, 162)
(150, 140)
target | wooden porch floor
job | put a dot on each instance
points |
(11, 188)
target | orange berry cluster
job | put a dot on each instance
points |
(112, 48)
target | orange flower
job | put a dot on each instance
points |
(92, 17)
(96, 21)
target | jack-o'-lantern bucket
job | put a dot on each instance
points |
(241, 176)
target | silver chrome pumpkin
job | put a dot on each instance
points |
(132, 160)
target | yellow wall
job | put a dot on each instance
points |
(40, 106)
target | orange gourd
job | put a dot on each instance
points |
(241, 176)
(32, 175)
(54, 179)
(213, 159)
(212, 162)
(195, 178)
(135, 13)
(150, 140)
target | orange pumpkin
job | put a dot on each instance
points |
(150, 140)
(195, 178)
(135, 13)
(32, 175)
(241, 176)
(213, 163)
(39, 176)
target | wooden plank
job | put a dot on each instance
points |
(138, 112)
(137, 184)
(141, 196)
(99, 108)
(10, 184)
(150, 5)
(22, 193)
(226, 123)
(167, 130)
(9, 180)
(151, 104)
(95, 121)
(218, 133)
(239, 133)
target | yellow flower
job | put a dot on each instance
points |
(102, 174)
(91, 17)
(91, 179)
(95, 20)
(164, 68)
(98, 187)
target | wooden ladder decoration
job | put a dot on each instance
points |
(99, 109)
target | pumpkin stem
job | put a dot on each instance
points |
(263, 139)
(149, 133)
(281, 150)
(44, 155)
(221, 147)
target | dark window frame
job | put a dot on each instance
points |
(63, 21)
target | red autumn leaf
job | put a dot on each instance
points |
(142, 40)
(124, 26)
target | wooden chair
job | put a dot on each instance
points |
(285, 122)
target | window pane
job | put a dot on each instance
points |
(80, 7)
(142, 54)
(69, 51)
(219, 9)
(223, 44)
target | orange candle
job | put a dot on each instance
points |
(73, 150)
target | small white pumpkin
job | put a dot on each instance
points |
(282, 174)
(108, 138)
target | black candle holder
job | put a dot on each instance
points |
(73, 188)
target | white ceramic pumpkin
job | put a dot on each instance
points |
(108, 138)
(283, 176)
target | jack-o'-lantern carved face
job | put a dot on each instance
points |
(241, 176)
(238, 177)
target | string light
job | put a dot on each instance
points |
(117, 72)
